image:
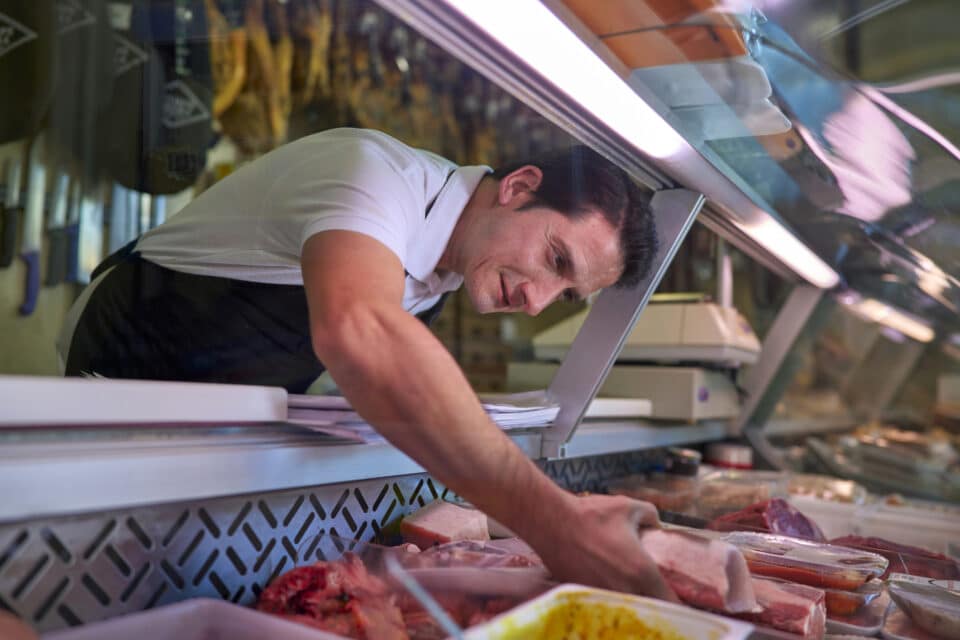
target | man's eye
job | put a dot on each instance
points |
(559, 262)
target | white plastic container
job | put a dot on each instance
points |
(602, 608)
(197, 619)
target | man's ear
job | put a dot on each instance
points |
(516, 186)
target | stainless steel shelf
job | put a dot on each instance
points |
(46, 472)
(597, 438)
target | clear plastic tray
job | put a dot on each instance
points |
(812, 563)
(726, 491)
(932, 605)
(898, 626)
(197, 619)
(865, 622)
(846, 603)
(667, 492)
(826, 488)
(572, 612)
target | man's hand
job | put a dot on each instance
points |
(600, 547)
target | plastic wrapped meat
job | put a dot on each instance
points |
(794, 608)
(704, 573)
(816, 564)
(905, 559)
(440, 522)
(775, 515)
(509, 553)
(339, 597)
(932, 607)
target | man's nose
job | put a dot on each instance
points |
(539, 296)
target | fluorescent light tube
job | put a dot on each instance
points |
(532, 32)
(907, 324)
(782, 243)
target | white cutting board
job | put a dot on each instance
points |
(37, 401)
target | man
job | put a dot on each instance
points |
(322, 252)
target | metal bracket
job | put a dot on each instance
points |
(765, 381)
(610, 320)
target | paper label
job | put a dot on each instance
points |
(13, 34)
(181, 106)
(126, 55)
(70, 16)
(949, 585)
(120, 15)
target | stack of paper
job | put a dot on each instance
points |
(334, 416)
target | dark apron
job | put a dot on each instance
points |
(148, 322)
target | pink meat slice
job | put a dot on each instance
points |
(440, 522)
(704, 573)
(794, 608)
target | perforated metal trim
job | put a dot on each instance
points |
(66, 571)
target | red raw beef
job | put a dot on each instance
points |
(905, 559)
(339, 597)
(794, 608)
(775, 515)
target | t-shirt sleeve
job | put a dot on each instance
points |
(349, 184)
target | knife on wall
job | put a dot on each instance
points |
(57, 231)
(11, 211)
(33, 226)
(73, 231)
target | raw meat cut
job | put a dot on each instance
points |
(502, 554)
(905, 559)
(441, 522)
(775, 515)
(339, 597)
(816, 564)
(793, 608)
(704, 573)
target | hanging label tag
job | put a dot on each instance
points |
(13, 34)
(120, 15)
(70, 16)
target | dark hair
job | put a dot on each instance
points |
(578, 181)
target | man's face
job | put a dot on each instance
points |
(525, 260)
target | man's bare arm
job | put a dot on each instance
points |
(400, 379)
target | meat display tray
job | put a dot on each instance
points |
(811, 563)
(196, 619)
(601, 610)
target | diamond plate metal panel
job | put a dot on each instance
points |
(71, 570)
(592, 473)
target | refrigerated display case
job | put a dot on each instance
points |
(751, 119)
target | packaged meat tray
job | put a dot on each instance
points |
(667, 492)
(897, 625)
(848, 603)
(357, 596)
(196, 619)
(826, 488)
(931, 605)
(905, 558)
(867, 621)
(840, 602)
(573, 612)
(806, 562)
(792, 608)
(725, 491)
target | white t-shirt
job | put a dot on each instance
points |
(252, 224)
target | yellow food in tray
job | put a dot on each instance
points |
(573, 612)
(572, 620)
